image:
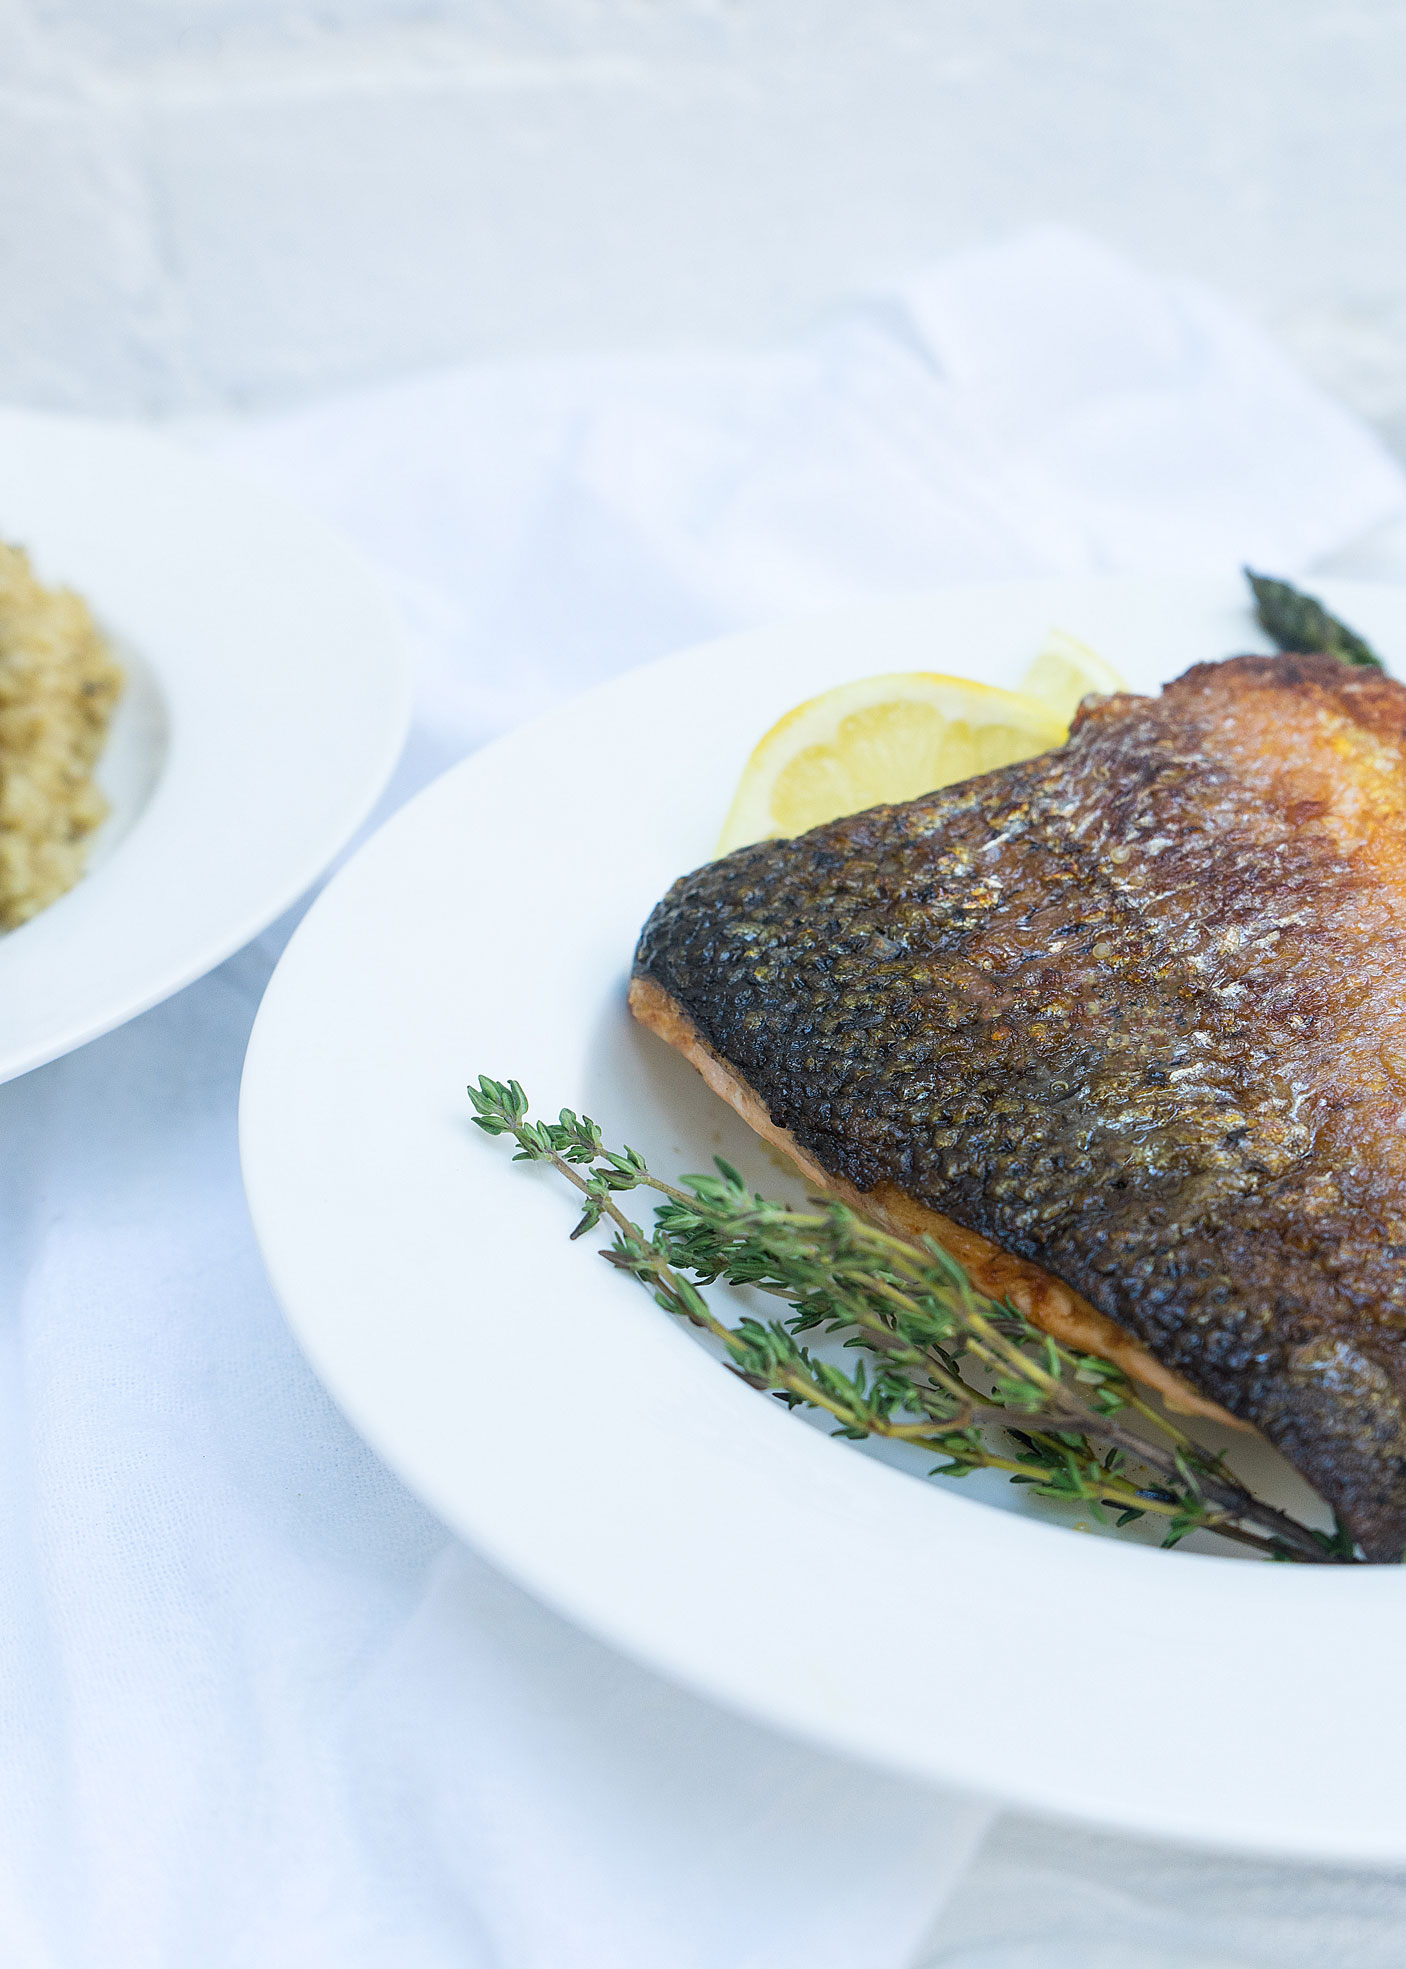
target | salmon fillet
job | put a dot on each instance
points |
(1125, 1026)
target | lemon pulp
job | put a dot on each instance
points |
(882, 740)
(1065, 672)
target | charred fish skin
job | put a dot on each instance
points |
(1134, 1010)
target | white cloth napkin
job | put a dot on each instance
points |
(1038, 408)
(260, 1709)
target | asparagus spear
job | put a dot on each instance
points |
(1296, 621)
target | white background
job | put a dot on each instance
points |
(223, 203)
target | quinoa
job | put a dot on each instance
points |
(58, 684)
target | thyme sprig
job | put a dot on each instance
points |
(942, 1367)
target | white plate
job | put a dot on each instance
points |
(548, 1411)
(267, 700)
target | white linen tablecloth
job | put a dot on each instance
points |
(260, 1708)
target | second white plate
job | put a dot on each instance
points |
(267, 700)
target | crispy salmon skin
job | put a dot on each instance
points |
(1128, 1018)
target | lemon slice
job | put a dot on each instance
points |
(880, 740)
(1064, 673)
